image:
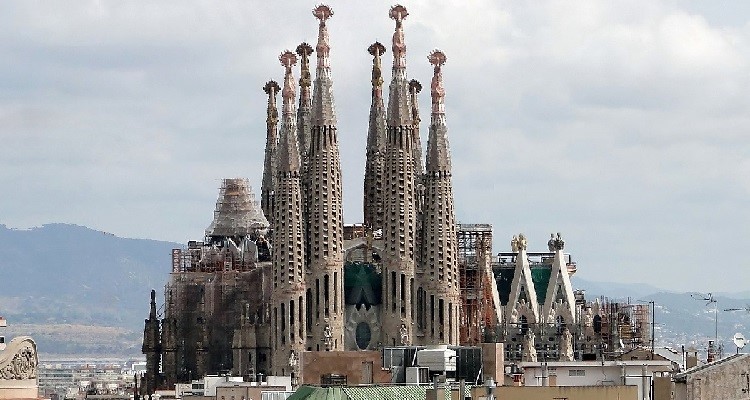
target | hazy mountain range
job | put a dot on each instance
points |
(78, 291)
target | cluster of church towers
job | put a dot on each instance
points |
(407, 206)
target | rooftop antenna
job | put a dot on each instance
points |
(746, 309)
(709, 298)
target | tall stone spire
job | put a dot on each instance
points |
(414, 88)
(269, 165)
(399, 100)
(289, 158)
(151, 348)
(376, 138)
(439, 221)
(438, 152)
(322, 104)
(325, 234)
(288, 296)
(304, 111)
(399, 224)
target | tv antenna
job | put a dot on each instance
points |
(746, 309)
(709, 298)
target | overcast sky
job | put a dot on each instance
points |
(622, 125)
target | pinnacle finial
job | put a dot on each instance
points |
(288, 59)
(398, 13)
(304, 50)
(437, 58)
(271, 88)
(323, 13)
(415, 86)
(376, 50)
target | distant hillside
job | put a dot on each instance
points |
(61, 274)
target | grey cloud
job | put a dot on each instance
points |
(621, 125)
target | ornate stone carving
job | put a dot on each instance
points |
(556, 243)
(529, 351)
(522, 242)
(437, 58)
(566, 345)
(404, 334)
(398, 13)
(19, 360)
(328, 336)
(551, 242)
(323, 13)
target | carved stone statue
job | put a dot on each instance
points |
(529, 349)
(514, 244)
(551, 242)
(404, 335)
(566, 345)
(522, 242)
(514, 316)
(328, 337)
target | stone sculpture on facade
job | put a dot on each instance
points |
(566, 345)
(19, 365)
(529, 349)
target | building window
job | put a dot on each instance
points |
(577, 372)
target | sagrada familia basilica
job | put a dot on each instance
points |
(287, 276)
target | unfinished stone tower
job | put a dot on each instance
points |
(289, 305)
(326, 219)
(439, 250)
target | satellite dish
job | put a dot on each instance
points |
(739, 341)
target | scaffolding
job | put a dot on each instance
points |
(474, 261)
(624, 326)
(237, 213)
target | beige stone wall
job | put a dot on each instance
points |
(19, 389)
(353, 364)
(244, 392)
(493, 359)
(560, 392)
(726, 380)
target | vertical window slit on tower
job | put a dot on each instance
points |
(308, 310)
(411, 297)
(450, 322)
(335, 292)
(283, 324)
(441, 320)
(326, 293)
(393, 291)
(299, 317)
(403, 295)
(317, 299)
(276, 324)
(432, 315)
(291, 319)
